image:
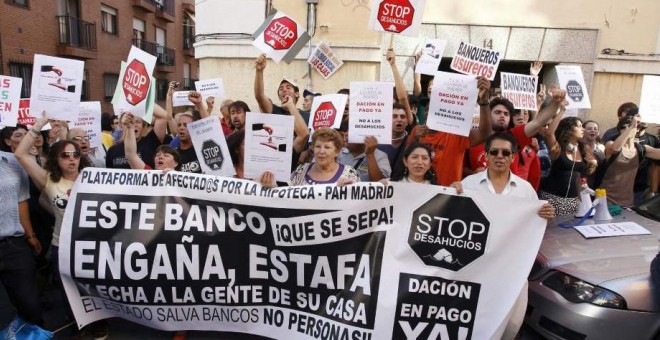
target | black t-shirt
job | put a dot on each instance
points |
(146, 150)
(189, 162)
(278, 110)
(642, 177)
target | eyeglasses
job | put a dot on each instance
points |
(80, 138)
(504, 152)
(69, 154)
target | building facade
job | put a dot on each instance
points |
(101, 34)
(615, 42)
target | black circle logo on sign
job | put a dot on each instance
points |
(449, 232)
(574, 91)
(212, 154)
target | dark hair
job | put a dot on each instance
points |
(398, 106)
(429, 175)
(625, 122)
(344, 91)
(502, 101)
(624, 108)
(52, 165)
(106, 121)
(239, 105)
(507, 137)
(234, 143)
(170, 150)
(563, 133)
(6, 133)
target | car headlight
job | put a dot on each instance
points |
(576, 290)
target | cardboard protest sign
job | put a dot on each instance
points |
(327, 111)
(649, 103)
(211, 147)
(280, 37)
(429, 61)
(89, 119)
(180, 98)
(268, 145)
(24, 115)
(211, 88)
(225, 254)
(477, 61)
(56, 87)
(324, 61)
(571, 79)
(453, 98)
(150, 101)
(10, 96)
(370, 112)
(135, 83)
(520, 89)
(397, 16)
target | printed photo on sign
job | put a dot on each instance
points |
(397, 16)
(520, 89)
(370, 112)
(327, 111)
(649, 103)
(211, 147)
(571, 80)
(452, 103)
(211, 88)
(268, 145)
(56, 86)
(477, 61)
(89, 119)
(280, 37)
(429, 61)
(24, 115)
(324, 60)
(10, 96)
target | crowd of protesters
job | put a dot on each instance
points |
(526, 154)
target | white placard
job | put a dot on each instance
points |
(89, 119)
(180, 98)
(56, 87)
(370, 112)
(324, 60)
(211, 88)
(268, 145)
(520, 89)
(280, 37)
(649, 103)
(571, 79)
(429, 61)
(612, 229)
(211, 147)
(327, 111)
(136, 84)
(452, 102)
(396, 16)
(10, 97)
(475, 60)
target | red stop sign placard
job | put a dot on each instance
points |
(281, 33)
(324, 116)
(395, 15)
(136, 82)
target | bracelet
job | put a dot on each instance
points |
(34, 131)
(484, 104)
(33, 235)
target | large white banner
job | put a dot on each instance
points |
(649, 104)
(56, 87)
(177, 251)
(370, 112)
(571, 79)
(452, 102)
(397, 16)
(10, 96)
(268, 145)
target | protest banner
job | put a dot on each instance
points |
(572, 81)
(56, 87)
(452, 103)
(477, 61)
(280, 37)
(324, 61)
(429, 61)
(180, 98)
(370, 112)
(135, 84)
(211, 88)
(364, 261)
(397, 16)
(24, 115)
(327, 111)
(119, 108)
(649, 103)
(211, 147)
(268, 145)
(89, 119)
(10, 96)
(520, 89)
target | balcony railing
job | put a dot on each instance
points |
(77, 33)
(187, 84)
(164, 6)
(165, 55)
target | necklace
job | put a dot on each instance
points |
(405, 133)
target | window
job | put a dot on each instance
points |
(187, 84)
(138, 32)
(22, 3)
(24, 71)
(188, 32)
(84, 94)
(108, 19)
(109, 85)
(161, 89)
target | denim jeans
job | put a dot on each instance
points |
(19, 278)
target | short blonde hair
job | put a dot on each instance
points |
(328, 135)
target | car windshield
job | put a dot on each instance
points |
(650, 208)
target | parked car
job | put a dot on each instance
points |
(598, 288)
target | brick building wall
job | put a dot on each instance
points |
(34, 29)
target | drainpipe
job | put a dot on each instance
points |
(311, 30)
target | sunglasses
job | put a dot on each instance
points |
(80, 138)
(69, 154)
(504, 152)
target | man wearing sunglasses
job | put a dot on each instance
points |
(92, 156)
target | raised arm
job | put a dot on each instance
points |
(38, 174)
(541, 119)
(169, 108)
(612, 147)
(558, 97)
(479, 136)
(265, 105)
(198, 99)
(299, 126)
(161, 118)
(130, 144)
(399, 85)
(417, 77)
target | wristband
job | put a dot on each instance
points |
(33, 235)
(484, 104)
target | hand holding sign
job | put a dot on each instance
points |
(483, 84)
